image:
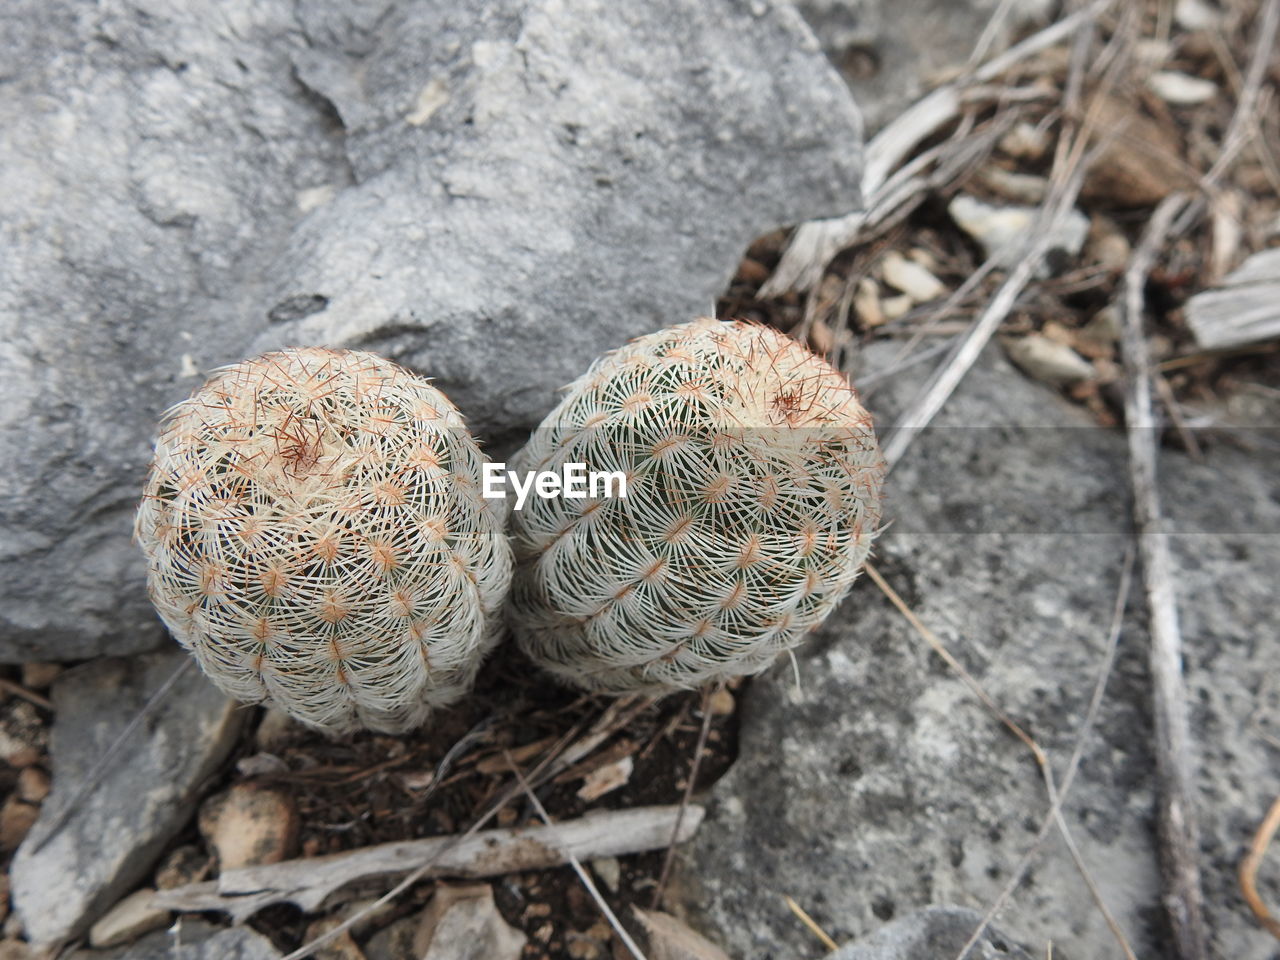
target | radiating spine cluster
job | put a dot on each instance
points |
(315, 535)
(753, 496)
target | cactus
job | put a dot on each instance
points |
(753, 482)
(315, 536)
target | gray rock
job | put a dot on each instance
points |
(936, 932)
(191, 940)
(891, 52)
(112, 841)
(882, 786)
(491, 193)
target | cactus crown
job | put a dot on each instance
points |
(753, 496)
(315, 536)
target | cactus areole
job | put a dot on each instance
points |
(315, 535)
(753, 489)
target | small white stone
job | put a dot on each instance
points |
(1152, 52)
(307, 200)
(1195, 15)
(911, 278)
(894, 307)
(609, 870)
(127, 920)
(1005, 232)
(604, 779)
(1018, 187)
(866, 302)
(1025, 141)
(1048, 361)
(433, 96)
(1181, 89)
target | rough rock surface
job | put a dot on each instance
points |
(112, 840)
(882, 785)
(936, 932)
(890, 53)
(191, 940)
(492, 193)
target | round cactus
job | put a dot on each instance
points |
(315, 535)
(752, 496)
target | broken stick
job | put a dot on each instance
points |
(1179, 835)
(309, 881)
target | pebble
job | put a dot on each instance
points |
(276, 730)
(185, 864)
(894, 307)
(1181, 89)
(866, 302)
(1103, 327)
(1195, 15)
(606, 778)
(1025, 142)
(1018, 187)
(721, 703)
(1047, 360)
(394, 941)
(910, 277)
(249, 826)
(39, 676)
(1107, 245)
(609, 870)
(127, 921)
(33, 785)
(463, 921)
(1004, 232)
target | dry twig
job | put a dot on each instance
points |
(1179, 835)
(698, 750)
(309, 881)
(1249, 869)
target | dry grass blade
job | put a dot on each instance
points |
(1249, 869)
(698, 751)
(18, 690)
(585, 877)
(803, 916)
(1056, 795)
(1178, 829)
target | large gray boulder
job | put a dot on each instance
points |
(881, 785)
(492, 193)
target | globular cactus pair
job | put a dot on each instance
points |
(316, 535)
